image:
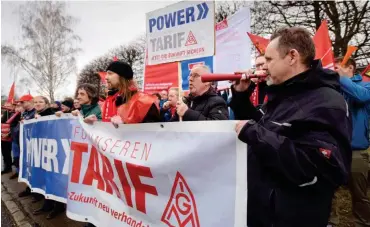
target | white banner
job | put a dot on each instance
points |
(181, 31)
(173, 174)
(233, 46)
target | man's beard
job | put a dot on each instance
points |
(269, 81)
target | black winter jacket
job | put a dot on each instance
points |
(299, 151)
(208, 106)
(47, 112)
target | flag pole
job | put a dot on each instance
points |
(180, 85)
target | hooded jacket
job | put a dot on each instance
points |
(299, 151)
(357, 95)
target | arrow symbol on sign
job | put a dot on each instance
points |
(203, 10)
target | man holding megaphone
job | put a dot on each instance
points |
(299, 141)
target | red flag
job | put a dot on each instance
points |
(350, 50)
(11, 94)
(115, 58)
(366, 74)
(324, 49)
(259, 42)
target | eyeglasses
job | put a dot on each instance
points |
(259, 66)
(193, 76)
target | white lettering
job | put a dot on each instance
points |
(168, 41)
(66, 148)
(50, 155)
(36, 151)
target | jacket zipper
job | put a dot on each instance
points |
(272, 206)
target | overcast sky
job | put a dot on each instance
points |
(102, 25)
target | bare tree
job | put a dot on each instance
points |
(133, 54)
(48, 53)
(225, 9)
(349, 21)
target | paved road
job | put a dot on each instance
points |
(6, 219)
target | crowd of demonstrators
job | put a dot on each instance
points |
(357, 94)
(307, 128)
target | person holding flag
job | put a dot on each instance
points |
(357, 94)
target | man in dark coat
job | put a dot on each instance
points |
(299, 146)
(203, 102)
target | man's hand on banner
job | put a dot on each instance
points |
(37, 116)
(58, 113)
(90, 119)
(239, 126)
(75, 112)
(116, 120)
(181, 108)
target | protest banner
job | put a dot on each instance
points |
(169, 174)
(44, 164)
(187, 65)
(161, 77)
(181, 31)
(233, 46)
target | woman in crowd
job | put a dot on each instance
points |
(76, 105)
(87, 96)
(67, 106)
(168, 110)
(43, 108)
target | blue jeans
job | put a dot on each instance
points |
(16, 153)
